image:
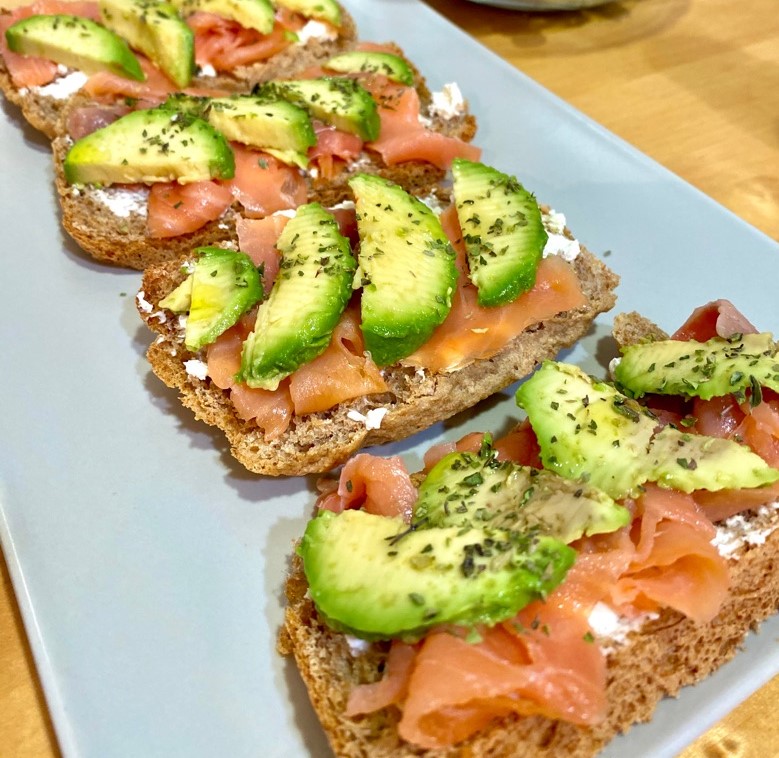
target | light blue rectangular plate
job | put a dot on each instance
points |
(148, 565)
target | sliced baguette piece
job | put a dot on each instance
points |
(416, 400)
(123, 239)
(43, 107)
(657, 660)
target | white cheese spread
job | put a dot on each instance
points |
(356, 645)
(196, 368)
(120, 201)
(448, 103)
(316, 30)
(64, 86)
(207, 70)
(146, 307)
(143, 304)
(344, 205)
(611, 629)
(737, 531)
(557, 243)
(372, 419)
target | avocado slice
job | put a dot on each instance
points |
(223, 286)
(375, 577)
(323, 10)
(74, 42)
(502, 229)
(280, 128)
(310, 293)
(688, 462)
(464, 488)
(156, 145)
(590, 432)
(407, 269)
(708, 369)
(337, 101)
(250, 14)
(372, 62)
(156, 29)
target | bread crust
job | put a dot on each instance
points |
(415, 401)
(666, 654)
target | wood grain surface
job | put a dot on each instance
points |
(691, 83)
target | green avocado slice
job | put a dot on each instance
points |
(156, 145)
(374, 577)
(75, 42)
(311, 291)
(156, 29)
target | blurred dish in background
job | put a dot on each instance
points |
(543, 5)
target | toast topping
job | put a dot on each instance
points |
(502, 228)
(590, 432)
(392, 66)
(720, 366)
(76, 42)
(337, 101)
(250, 14)
(156, 145)
(156, 29)
(408, 579)
(407, 269)
(224, 284)
(310, 293)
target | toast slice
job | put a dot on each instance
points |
(42, 107)
(120, 237)
(415, 401)
(665, 653)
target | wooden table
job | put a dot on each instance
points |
(693, 84)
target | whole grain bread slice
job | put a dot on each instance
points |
(664, 655)
(44, 111)
(124, 240)
(415, 401)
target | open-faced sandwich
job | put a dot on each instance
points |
(334, 344)
(138, 187)
(546, 590)
(112, 50)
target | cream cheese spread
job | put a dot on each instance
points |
(372, 419)
(196, 368)
(557, 243)
(67, 84)
(448, 103)
(120, 201)
(737, 531)
(316, 30)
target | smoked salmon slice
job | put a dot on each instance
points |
(343, 372)
(263, 185)
(175, 209)
(472, 332)
(257, 238)
(381, 486)
(404, 138)
(226, 45)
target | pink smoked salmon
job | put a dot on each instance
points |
(471, 332)
(403, 138)
(226, 45)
